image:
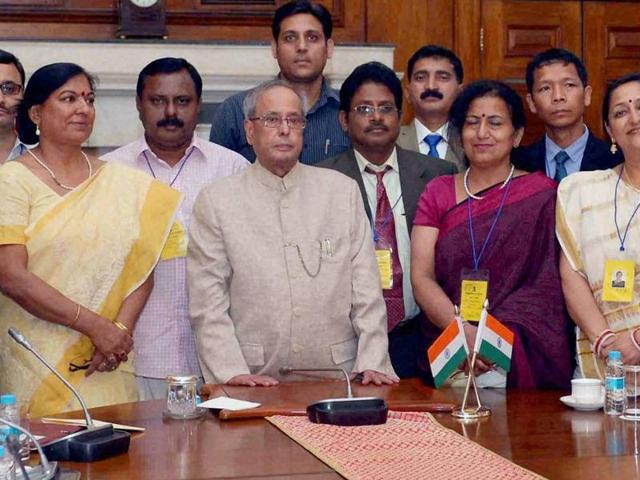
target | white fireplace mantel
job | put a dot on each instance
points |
(225, 69)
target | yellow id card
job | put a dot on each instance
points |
(385, 268)
(473, 293)
(176, 245)
(617, 285)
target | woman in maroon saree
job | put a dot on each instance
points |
(517, 212)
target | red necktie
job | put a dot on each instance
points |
(385, 237)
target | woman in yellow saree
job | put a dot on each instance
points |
(78, 243)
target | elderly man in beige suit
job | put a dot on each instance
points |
(281, 266)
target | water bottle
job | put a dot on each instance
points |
(614, 383)
(7, 467)
(9, 411)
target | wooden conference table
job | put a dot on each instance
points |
(533, 429)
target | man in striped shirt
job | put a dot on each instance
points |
(301, 44)
(168, 100)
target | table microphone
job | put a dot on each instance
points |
(349, 411)
(94, 443)
(46, 470)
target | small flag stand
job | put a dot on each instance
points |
(465, 411)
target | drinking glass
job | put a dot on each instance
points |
(632, 390)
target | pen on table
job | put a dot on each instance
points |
(326, 146)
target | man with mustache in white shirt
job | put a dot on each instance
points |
(434, 76)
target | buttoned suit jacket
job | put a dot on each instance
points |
(597, 156)
(408, 140)
(415, 171)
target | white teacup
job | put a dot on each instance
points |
(587, 390)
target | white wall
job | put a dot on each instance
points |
(225, 69)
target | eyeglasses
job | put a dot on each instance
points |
(295, 122)
(10, 88)
(369, 110)
(79, 363)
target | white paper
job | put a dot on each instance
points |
(227, 403)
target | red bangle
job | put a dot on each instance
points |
(600, 339)
(633, 338)
(602, 342)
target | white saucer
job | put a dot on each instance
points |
(569, 401)
(630, 418)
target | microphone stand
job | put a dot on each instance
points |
(94, 443)
(289, 370)
(349, 411)
(13, 445)
(46, 470)
(22, 341)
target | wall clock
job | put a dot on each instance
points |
(142, 18)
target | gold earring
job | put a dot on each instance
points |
(614, 148)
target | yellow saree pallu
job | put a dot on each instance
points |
(95, 245)
(586, 230)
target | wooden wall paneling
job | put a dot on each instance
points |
(467, 32)
(251, 20)
(58, 19)
(612, 49)
(206, 20)
(31, 3)
(408, 25)
(515, 30)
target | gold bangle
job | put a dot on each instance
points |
(73, 322)
(121, 326)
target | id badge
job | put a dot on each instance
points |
(385, 267)
(619, 276)
(473, 292)
(176, 245)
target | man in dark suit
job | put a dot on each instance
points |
(558, 94)
(391, 180)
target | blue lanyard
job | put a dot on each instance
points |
(615, 214)
(477, 257)
(184, 162)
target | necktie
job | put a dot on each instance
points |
(385, 237)
(433, 140)
(560, 159)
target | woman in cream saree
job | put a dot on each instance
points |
(598, 229)
(92, 247)
(96, 246)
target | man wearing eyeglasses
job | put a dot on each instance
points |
(11, 85)
(301, 45)
(281, 268)
(391, 180)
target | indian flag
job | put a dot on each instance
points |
(494, 342)
(447, 352)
